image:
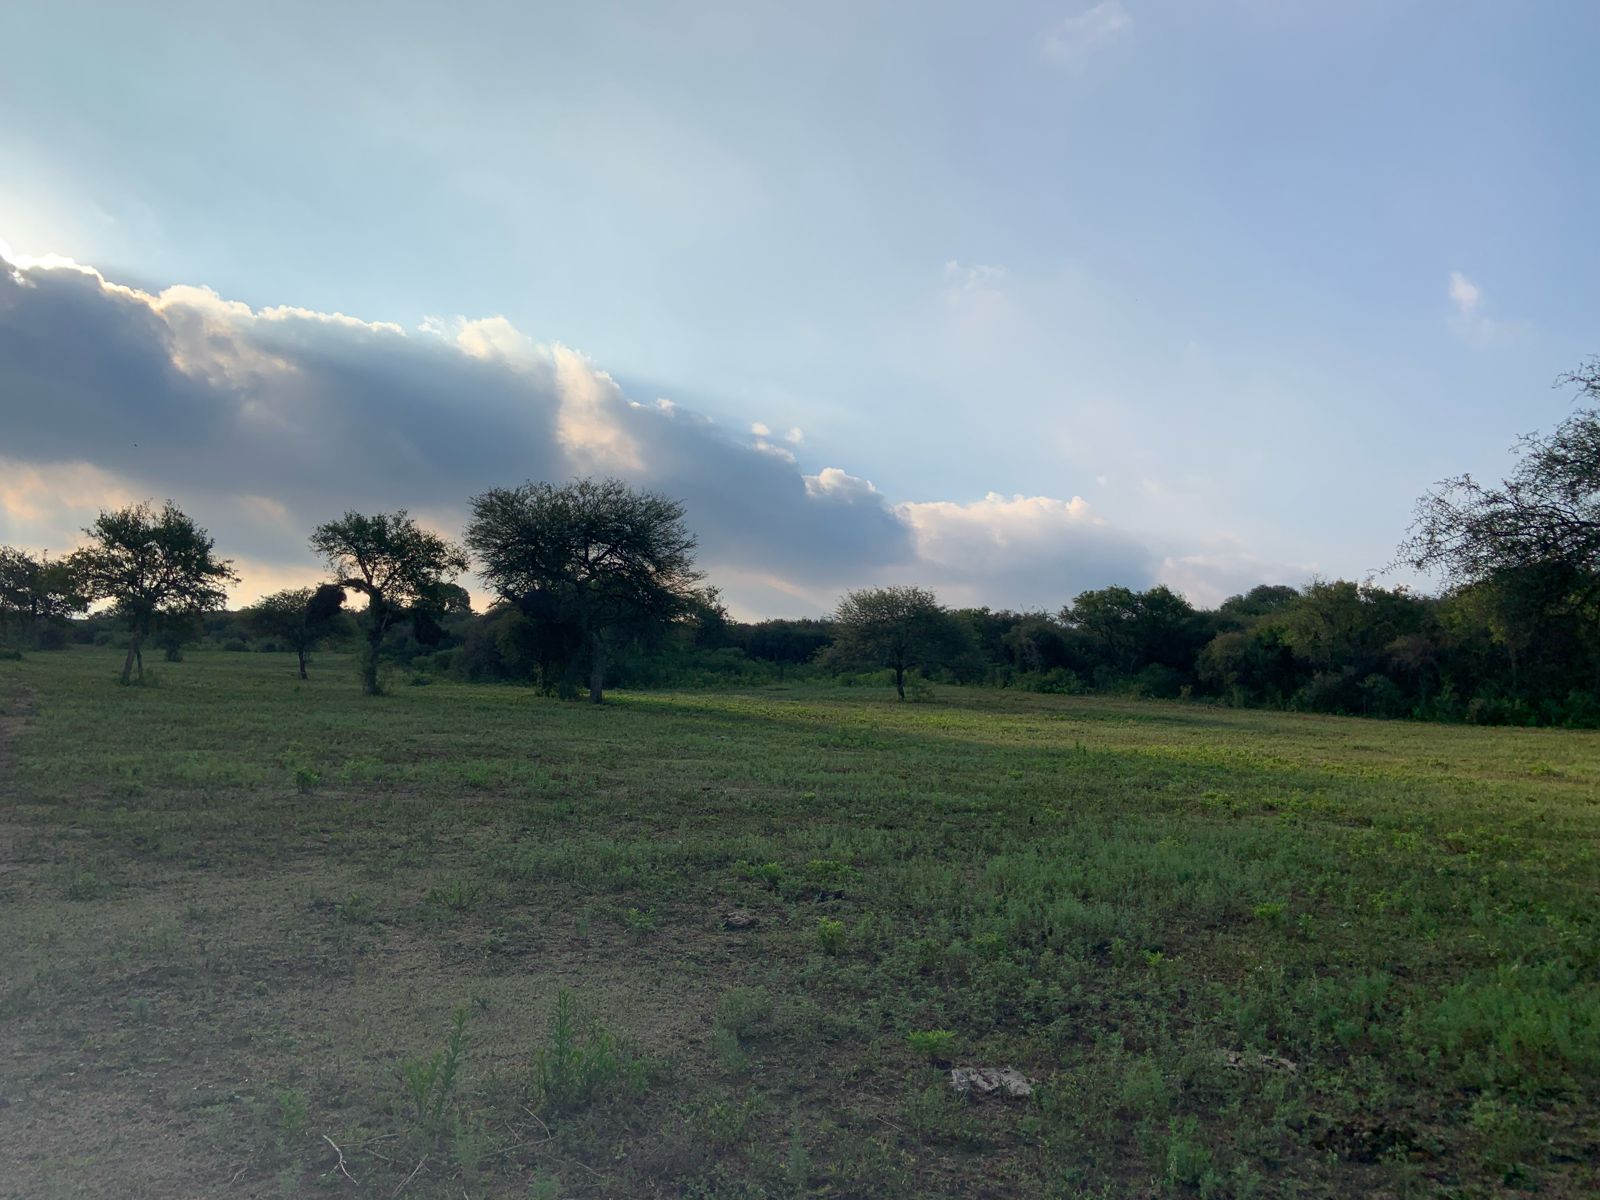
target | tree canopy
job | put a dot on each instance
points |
(290, 618)
(900, 627)
(151, 565)
(404, 571)
(584, 560)
(1545, 514)
(33, 590)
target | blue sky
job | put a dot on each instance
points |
(1242, 277)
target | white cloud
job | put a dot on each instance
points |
(1046, 549)
(1464, 294)
(795, 436)
(760, 429)
(1470, 322)
(1226, 568)
(838, 484)
(1072, 38)
(971, 277)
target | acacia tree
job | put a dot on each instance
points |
(33, 590)
(403, 570)
(898, 627)
(1546, 514)
(589, 558)
(151, 566)
(290, 618)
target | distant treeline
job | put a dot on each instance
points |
(1485, 654)
(596, 582)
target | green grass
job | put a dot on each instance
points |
(475, 939)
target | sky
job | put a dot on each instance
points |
(1010, 300)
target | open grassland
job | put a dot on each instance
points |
(470, 941)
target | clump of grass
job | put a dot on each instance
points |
(358, 909)
(87, 885)
(741, 1013)
(458, 894)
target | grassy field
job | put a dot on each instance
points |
(265, 938)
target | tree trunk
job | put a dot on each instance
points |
(301, 654)
(900, 681)
(127, 663)
(597, 668)
(369, 668)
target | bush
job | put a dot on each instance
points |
(50, 637)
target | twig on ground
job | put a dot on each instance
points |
(407, 1182)
(243, 1167)
(341, 1168)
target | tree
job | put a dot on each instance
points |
(151, 566)
(34, 589)
(404, 571)
(586, 560)
(289, 617)
(896, 627)
(1546, 513)
(1138, 629)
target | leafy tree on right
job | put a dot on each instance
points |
(1545, 515)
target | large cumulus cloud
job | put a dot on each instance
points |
(264, 422)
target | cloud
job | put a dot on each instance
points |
(1047, 550)
(264, 422)
(1225, 569)
(1464, 294)
(1469, 322)
(1072, 38)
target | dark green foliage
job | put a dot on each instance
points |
(152, 566)
(1545, 515)
(35, 594)
(589, 562)
(296, 618)
(898, 628)
(404, 571)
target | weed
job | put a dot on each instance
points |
(306, 780)
(935, 1045)
(1188, 1161)
(579, 1062)
(830, 935)
(430, 1083)
(294, 1115)
(744, 1010)
(458, 894)
(87, 885)
(640, 922)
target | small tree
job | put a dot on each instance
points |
(33, 590)
(290, 618)
(404, 571)
(896, 627)
(589, 557)
(150, 565)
